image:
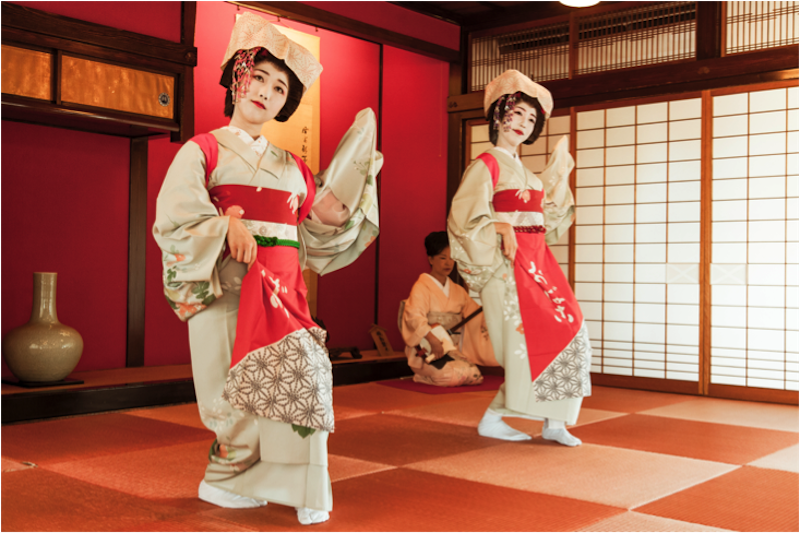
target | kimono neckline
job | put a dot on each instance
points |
(518, 167)
(273, 160)
(447, 284)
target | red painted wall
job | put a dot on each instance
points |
(65, 210)
(349, 83)
(397, 19)
(92, 171)
(156, 19)
(414, 179)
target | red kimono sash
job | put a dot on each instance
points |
(272, 301)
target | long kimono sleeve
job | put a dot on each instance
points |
(190, 233)
(344, 218)
(559, 205)
(415, 315)
(474, 243)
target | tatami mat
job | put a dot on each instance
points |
(402, 500)
(377, 398)
(469, 413)
(185, 414)
(633, 521)
(786, 459)
(97, 435)
(611, 476)
(687, 438)
(41, 500)
(733, 412)
(747, 499)
(630, 401)
(406, 461)
(10, 465)
(397, 440)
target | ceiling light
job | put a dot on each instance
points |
(579, 3)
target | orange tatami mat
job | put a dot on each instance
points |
(700, 440)
(105, 434)
(407, 461)
(747, 499)
(396, 440)
(611, 476)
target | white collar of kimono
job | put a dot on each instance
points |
(445, 288)
(259, 146)
(513, 156)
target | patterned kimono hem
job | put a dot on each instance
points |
(568, 376)
(289, 381)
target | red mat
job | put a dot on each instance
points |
(489, 383)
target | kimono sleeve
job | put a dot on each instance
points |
(415, 315)
(474, 243)
(190, 233)
(559, 205)
(343, 221)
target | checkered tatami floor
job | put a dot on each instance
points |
(406, 461)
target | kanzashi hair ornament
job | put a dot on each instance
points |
(507, 102)
(242, 69)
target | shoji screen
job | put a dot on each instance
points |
(534, 157)
(754, 254)
(637, 237)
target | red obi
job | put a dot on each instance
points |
(255, 203)
(509, 201)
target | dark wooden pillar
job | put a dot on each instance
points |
(137, 241)
(709, 30)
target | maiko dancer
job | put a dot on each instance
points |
(500, 220)
(237, 220)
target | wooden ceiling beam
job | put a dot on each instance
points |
(432, 10)
(341, 24)
(752, 67)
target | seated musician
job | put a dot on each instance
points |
(435, 305)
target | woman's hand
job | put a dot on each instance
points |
(506, 231)
(436, 346)
(242, 245)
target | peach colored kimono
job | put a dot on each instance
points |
(428, 304)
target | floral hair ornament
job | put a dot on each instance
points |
(242, 69)
(507, 102)
(512, 83)
(252, 32)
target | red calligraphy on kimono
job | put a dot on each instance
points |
(551, 316)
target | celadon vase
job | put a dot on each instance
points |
(44, 349)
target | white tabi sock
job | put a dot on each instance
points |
(223, 498)
(556, 430)
(308, 516)
(492, 425)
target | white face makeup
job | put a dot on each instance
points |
(517, 126)
(265, 98)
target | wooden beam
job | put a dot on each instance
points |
(740, 69)
(48, 24)
(341, 24)
(709, 30)
(432, 10)
(753, 394)
(185, 80)
(137, 241)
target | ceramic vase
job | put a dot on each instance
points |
(44, 349)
